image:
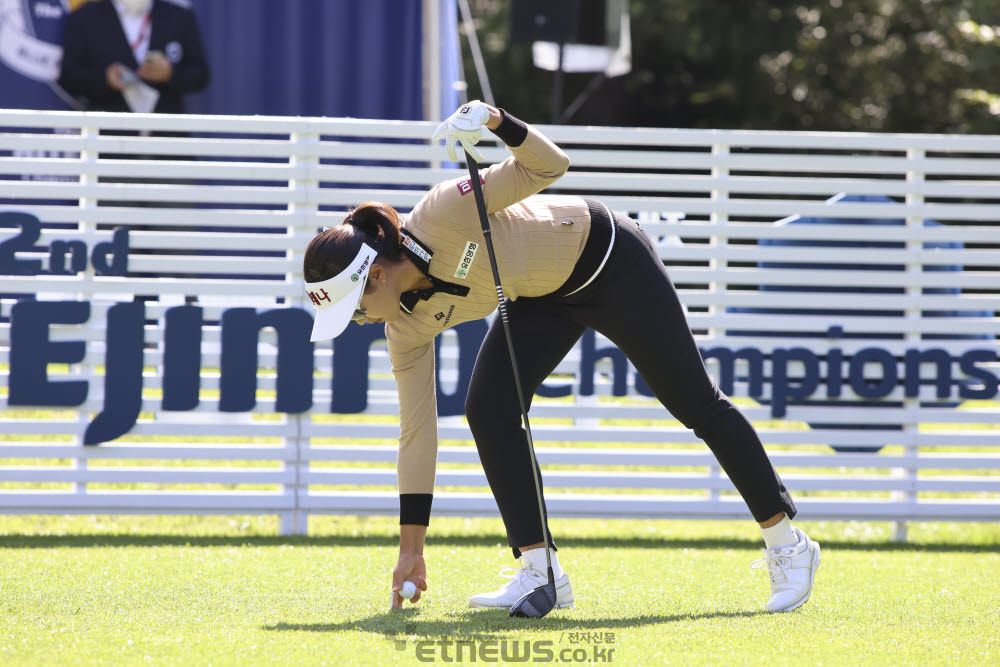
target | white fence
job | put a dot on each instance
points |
(831, 307)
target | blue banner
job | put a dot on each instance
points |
(312, 58)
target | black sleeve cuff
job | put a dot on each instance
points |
(415, 508)
(511, 131)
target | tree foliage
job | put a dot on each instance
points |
(866, 65)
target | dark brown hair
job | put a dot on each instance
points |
(331, 251)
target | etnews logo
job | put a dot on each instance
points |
(584, 647)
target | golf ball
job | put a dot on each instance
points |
(408, 590)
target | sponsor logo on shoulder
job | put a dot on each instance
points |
(465, 185)
(465, 261)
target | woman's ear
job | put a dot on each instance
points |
(376, 274)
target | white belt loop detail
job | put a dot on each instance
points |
(606, 255)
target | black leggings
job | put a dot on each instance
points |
(634, 304)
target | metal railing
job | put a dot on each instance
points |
(861, 331)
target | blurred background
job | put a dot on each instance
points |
(864, 65)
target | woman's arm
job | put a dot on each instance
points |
(416, 461)
(495, 118)
(535, 164)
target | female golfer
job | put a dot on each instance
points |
(566, 263)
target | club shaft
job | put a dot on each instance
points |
(477, 190)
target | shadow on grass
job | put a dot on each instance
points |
(403, 624)
(87, 541)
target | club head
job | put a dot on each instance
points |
(536, 603)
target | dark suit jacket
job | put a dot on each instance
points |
(93, 39)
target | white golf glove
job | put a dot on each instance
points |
(465, 127)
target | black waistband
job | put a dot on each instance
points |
(594, 251)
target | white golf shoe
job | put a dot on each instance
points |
(523, 580)
(792, 569)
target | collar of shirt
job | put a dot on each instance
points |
(137, 29)
(421, 256)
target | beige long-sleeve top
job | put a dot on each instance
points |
(537, 239)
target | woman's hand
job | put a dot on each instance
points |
(465, 127)
(409, 567)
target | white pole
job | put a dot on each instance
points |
(477, 53)
(432, 59)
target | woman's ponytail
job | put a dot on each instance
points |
(333, 250)
(380, 223)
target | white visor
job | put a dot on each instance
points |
(336, 299)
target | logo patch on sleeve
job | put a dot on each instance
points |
(465, 185)
(465, 262)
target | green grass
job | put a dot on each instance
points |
(229, 591)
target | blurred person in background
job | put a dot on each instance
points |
(132, 55)
(138, 56)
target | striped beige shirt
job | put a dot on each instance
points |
(538, 240)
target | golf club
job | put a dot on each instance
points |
(539, 602)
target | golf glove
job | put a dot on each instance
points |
(465, 127)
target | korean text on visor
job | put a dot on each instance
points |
(338, 299)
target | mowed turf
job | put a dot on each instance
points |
(223, 591)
